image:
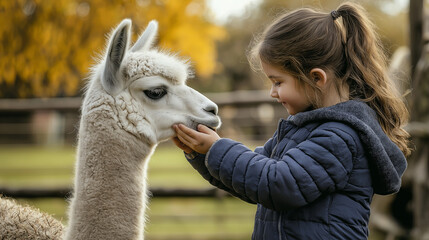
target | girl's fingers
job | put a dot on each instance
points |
(180, 138)
(193, 137)
(197, 141)
(181, 145)
(185, 138)
(204, 129)
(178, 143)
(188, 131)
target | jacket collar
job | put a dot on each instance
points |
(387, 163)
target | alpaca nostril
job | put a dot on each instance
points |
(211, 109)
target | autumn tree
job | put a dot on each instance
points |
(47, 46)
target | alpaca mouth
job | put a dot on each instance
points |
(212, 128)
(213, 125)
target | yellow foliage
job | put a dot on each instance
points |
(47, 46)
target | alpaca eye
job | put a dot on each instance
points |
(155, 93)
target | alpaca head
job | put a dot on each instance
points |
(148, 87)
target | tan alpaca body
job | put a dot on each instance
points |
(24, 222)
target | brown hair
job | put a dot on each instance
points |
(344, 44)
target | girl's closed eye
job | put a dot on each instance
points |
(276, 83)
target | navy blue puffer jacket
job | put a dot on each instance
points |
(315, 178)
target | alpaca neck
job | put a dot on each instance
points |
(110, 183)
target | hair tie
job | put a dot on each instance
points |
(335, 14)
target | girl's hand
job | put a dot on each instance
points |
(200, 141)
(181, 145)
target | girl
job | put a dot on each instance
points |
(343, 141)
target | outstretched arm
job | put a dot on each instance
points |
(201, 143)
(319, 165)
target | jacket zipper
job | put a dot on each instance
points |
(279, 224)
(273, 152)
(279, 136)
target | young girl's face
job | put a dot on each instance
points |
(284, 88)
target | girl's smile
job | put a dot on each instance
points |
(285, 89)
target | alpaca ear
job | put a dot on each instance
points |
(118, 45)
(147, 39)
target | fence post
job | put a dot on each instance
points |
(416, 31)
(419, 108)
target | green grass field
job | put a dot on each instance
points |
(169, 218)
(50, 167)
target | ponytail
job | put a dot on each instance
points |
(344, 43)
(366, 73)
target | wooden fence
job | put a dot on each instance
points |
(254, 107)
(153, 192)
(259, 112)
(248, 114)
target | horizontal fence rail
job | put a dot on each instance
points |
(74, 103)
(66, 192)
(32, 104)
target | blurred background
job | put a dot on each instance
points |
(48, 46)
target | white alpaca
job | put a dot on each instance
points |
(133, 99)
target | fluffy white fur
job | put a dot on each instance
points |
(119, 129)
(133, 98)
(143, 64)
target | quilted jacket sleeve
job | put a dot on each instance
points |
(320, 164)
(267, 149)
(198, 163)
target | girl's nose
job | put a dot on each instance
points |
(273, 93)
